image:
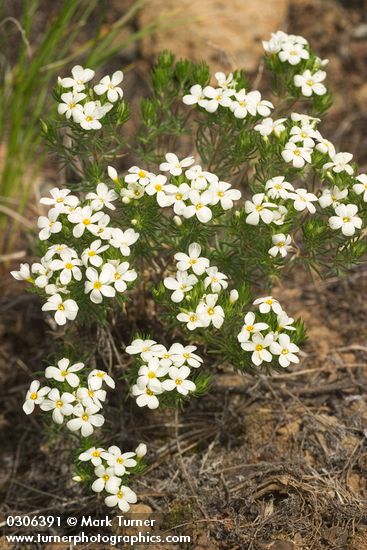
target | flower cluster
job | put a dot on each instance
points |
(264, 334)
(196, 281)
(95, 263)
(111, 469)
(78, 397)
(162, 371)
(79, 105)
(240, 102)
(190, 191)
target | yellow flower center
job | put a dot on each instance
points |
(297, 152)
(120, 494)
(64, 372)
(259, 207)
(280, 244)
(259, 347)
(277, 186)
(97, 285)
(158, 187)
(141, 174)
(198, 206)
(34, 396)
(91, 253)
(69, 266)
(220, 194)
(100, 374)
(149, 392)
(96, 453)
(250, 328)
(61, 307)
(193, 261)
(285, 351)
(269, 302)
(178, 197)
(310, 82)
(85, 417)
(178, 381)
(86, 221)
(90, 393)
(346, 219)
(59, 404)
(186, 355)
(106, 477)
(303, 135)
(117, 276)
(151, 374)
(193, 318)
(89, 118)
(60, 199)
(211, 311)
(71, 105)
(120, 460)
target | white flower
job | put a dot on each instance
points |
(122, 274)
(87, 397)
(325, 146)
(56, 249)
(196, 96)
(278, 188)
(141, 450)
(215, 279)
(112, 173)
(310, 83)
(65, 372)
(282, 245)
(173, 165)
(68, 267)
(137, 175)
(250, 327)
(119, 461)
(208, 312)
(156, 186)
(222, 192)
(176, 196)
(93, 454)
(258, 209)
(361, 187)
(86, 420)
(178, 380)
(91, 254)
(303, 199)
(280, 214)
(216, 97)
(285, 349)
(285, 322)
(304, 134)
(43, 271)
(225, 81)
(191, 318)
(198, 207)
(102, 229)
(233, 296)
(242, 105)
(199, 178)
(268, 126)
(49, 225)
(84, 218)
(97, 377)
(103, 197)
(184, 354)
(123, 240)
(262, 106)
(180, 285)
(24, 273)
(146, 397)
(258, 346)
(122, 497)
(60, 199)
(99, 284)
(346, 219)
(332, 196)
(149, 374)
(70, 104)
(60, 405)
(64, 309)
(133, 191)
(35, 396)
(92, 112)
(139, 346)
(110, 86)
(80, 77)
(298, 156)
(304, 119)
(340, 163)
(274, 45)
(106, 479)
(292, 53)
(268, 303)
(192, 260)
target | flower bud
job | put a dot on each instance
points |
(233, 296)
(113, 174)
(78, 479)
(125, 200)
(134, 221)
(177, 220)
(141, 450)
(237, 214)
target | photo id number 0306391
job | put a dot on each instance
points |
(33, 521)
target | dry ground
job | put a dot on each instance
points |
(260, 463)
